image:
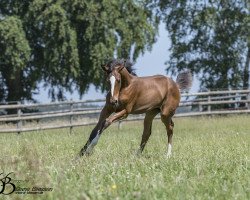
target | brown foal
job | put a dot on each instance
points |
(130, 94)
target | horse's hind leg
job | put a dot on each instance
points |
(147, 128)
(166, 118)
(170, 135)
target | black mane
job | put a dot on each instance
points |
(125, 62)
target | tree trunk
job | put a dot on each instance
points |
(14, 85)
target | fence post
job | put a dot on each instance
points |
(248, 103)
(119, 125)
(71, 116)
(19, 122)
(200, 107)
(209, 100)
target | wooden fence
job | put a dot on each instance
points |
(35, 117)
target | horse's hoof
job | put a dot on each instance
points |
(169, 156)
(79, 156)
(87, 152)
(138, 153)
(76, 159)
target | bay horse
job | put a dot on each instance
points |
(130, 94)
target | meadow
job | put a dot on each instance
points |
(211, 160)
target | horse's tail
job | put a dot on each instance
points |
(184, 80)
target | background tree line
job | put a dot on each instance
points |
(63, 42)
(211, 38)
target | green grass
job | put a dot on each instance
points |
(210, 161)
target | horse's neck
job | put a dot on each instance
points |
(126, 78)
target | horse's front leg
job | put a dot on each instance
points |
(96, 132)
(118, 116)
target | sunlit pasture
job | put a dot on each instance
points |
(211, 160)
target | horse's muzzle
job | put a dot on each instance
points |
(114, 102)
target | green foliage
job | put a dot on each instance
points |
(211, 38)
(121, 28)
(14, 60)
(63, 43)
(210, 161)
(55, 43)
(70, 40)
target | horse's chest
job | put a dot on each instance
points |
(123, 101)
(125, 97)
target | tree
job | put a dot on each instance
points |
(15, 75)
(66, 41)
(211, 38)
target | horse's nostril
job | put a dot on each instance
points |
(114, 101)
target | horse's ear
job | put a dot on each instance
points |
(120, 67)
(105, 68)
(122, 64)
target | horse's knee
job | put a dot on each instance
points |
(107, 123)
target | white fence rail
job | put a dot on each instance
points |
(33, 117)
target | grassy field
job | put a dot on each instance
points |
(211, 160)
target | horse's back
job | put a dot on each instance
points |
(153, 91)
(163, 84)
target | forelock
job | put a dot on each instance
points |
(125, 62)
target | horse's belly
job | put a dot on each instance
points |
(146, 105)
(142, 110)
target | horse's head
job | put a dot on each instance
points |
(113, 71)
